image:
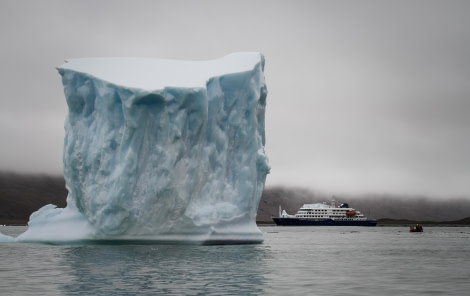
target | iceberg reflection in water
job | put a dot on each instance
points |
(291, 261)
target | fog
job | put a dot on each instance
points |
(364, 97)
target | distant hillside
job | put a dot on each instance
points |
(417, 208)
(21, 195)
(393, 222)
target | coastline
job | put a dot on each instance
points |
(402, 222)
(381, 223)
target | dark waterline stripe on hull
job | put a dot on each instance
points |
(328, 222)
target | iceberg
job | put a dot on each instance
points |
(160, 150)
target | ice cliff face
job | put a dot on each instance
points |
(161, 150)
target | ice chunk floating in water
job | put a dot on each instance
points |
(160, 150)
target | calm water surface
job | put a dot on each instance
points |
(291, 261)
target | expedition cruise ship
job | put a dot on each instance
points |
(322, 214)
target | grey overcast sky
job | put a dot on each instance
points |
(364, 96)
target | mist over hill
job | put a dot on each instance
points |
(378, 206)
(23, 194)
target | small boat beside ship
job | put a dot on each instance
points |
(322, 214)
(417, 228)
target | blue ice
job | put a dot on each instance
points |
(160, 150)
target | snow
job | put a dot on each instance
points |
(156, 74)
(160, 150)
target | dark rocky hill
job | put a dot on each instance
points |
(418, 208)
(21, 195)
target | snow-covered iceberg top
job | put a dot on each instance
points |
(157, 74)
(160, 150)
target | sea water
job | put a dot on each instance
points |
(290, 261)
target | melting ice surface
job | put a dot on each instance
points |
(160, 150)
